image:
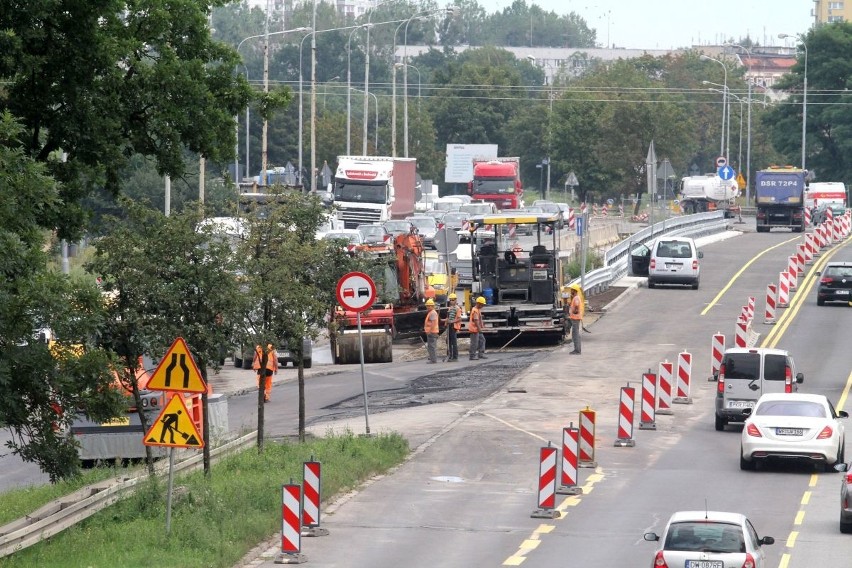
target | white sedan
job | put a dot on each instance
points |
(793, 426)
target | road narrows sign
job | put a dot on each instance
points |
(356, 292)
(177, 371)
(174, 427)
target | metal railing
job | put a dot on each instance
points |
(617, 259)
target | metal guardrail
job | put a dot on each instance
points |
(67, 511)
(617, 258)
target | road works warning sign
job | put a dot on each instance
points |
(177, 371)
(174, 427)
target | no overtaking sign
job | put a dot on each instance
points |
(356, 292)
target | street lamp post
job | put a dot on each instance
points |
(549, 118)
(804, 93)
(748, 134)
(376, 108)
(724, 102)
(301, 106)
(349, 88)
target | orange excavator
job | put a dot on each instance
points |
(401, 290)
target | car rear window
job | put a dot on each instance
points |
(674, 249)
(743, 366)
(706, 536)
(791, 408)
(838, 271)
(774, 367)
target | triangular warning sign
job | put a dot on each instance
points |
(174, 427)
(177, 371)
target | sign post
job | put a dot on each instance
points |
(356, 292)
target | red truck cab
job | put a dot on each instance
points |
(498, 181)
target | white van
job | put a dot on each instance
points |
(747, 373)
(669, 260)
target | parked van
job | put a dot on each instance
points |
(669, 260)
(745, 374)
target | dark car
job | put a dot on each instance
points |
(820, 214)
(374, 234)
(845, 497)
(835, 283)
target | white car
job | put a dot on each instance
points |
(793, 426)
(709, 539)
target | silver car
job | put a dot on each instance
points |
(709, 539)
(845, 497)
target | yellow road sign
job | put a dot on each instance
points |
(177, 371)
(174, 427)
(741, 182)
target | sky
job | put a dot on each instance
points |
(667, 24)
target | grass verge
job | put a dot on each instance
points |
(215, 520)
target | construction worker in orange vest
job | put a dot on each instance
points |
(474, 326)
(453, 323)
(430, 327)
(264, 373)
(576, 310)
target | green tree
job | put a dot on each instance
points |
(102, 81)
(43, 385)
(829, 122)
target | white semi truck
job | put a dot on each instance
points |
(709, 192)
(374, 189)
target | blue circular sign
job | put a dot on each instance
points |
(726, 173)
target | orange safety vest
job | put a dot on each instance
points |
(576, 310)
(431, 324)
(474, 324)
(271, 360)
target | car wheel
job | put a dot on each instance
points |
(820, 302)
(763, 229)
(651, 283)
(745, 465)
(845, 526)
(720, 423)
(306, 363)
(695, 285)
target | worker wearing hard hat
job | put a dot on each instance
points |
(430, 327)
(474, 325)
(453, 323)
(265, 369)
(576, 309)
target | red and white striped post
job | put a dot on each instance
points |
(572, 220)
(648, 414)
(626, 404)
(741, 333)
(570, 449)
(771, 299)
(750, 306)
(547, 457)
(587, 438)
(605, 210)
(311, 499)
(684, 378)
(584, 208)
(792, 273)
(807, 217)
(783, 289)
(291, 524)
(717, 350)
(809, 248)
(835, 230)
(800, 259)
(594, 209)
(664, 388)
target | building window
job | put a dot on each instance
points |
(835, 5)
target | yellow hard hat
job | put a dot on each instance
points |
(575, 287)
(480, 300)
(430, 302)
(452, 296)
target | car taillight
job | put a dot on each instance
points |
(440, 226)
(720, 383)
(826, 280)
(695, 265)
(660, 561)
(653, 264)
(826, 433)
(752, 431)
(749, 561)
(849, 478)
(788, 379)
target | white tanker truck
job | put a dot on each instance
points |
(709, 192)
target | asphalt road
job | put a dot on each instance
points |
(467, 496)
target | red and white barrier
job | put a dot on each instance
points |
(587, 438)
(605, 210)
(771, 299)
(570, 448)
(792, 273)
(835, 230)
(741, 333)
(809, 248)
(584, 208)
(546, 483)
(664, 388)
(717, 350)
(829, 214)
(572, 220)
(744, 313)
(684, 378)
(627, 401)
(594, 209)
(291, 523)
(800, 260)
(648, 415)
(783, 289)
(750, 307)
(311, 499)
(807, 217)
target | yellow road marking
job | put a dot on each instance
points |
(739, 272)
(800, 516)
(813, 481)
(842, 401)
(806, 498)
(785, 560)
(791, 540)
